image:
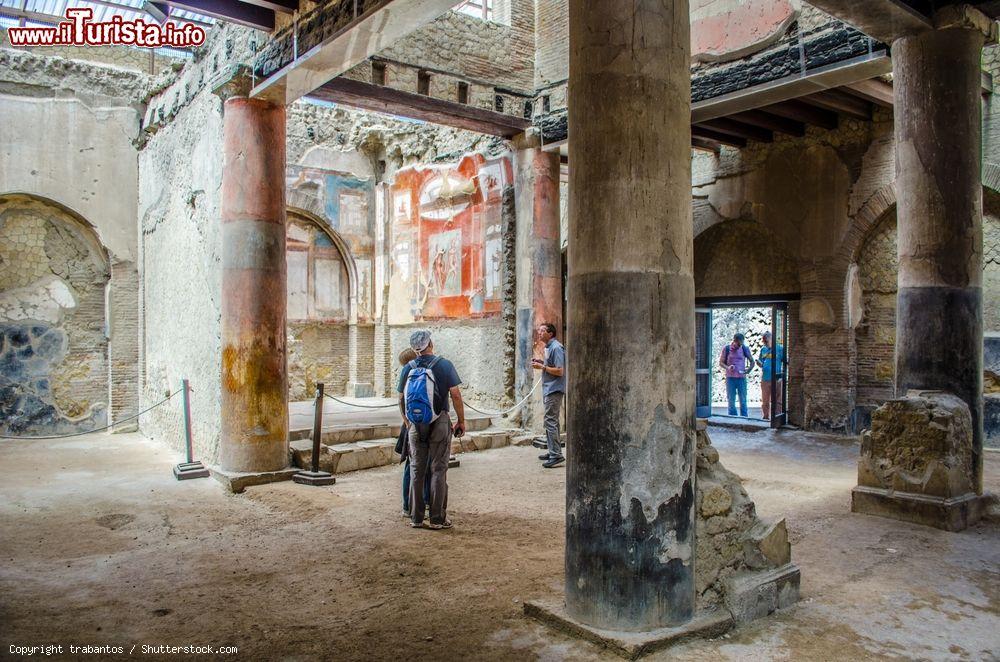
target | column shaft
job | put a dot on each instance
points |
(539, 258)
(630, 532)
(254, 373)
(938, 126)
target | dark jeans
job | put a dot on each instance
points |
(430, 445)
(406, 485)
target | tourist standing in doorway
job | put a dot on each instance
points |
(403, 448)
(425, 384)
(553, 368)
(737, 361)
(771, 358)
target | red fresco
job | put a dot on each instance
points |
(454, 220)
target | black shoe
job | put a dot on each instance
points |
(539, 443)
(544, 456)
(553, 462)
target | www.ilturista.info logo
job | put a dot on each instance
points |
(79, 30)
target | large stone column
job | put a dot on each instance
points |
(630, 531)
(539, 260)
(254, 375)
(939, 329)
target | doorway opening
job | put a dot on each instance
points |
(741, 361)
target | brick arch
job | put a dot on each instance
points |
(86, 229)
(874, 210)
(345, 252)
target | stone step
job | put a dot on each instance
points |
(354, 433)
(366, 454)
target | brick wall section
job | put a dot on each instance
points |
(123, 323)
(875, 337)
(551, 42)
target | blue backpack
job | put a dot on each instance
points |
(419, 393)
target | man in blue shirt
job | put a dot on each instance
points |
(770, 361)
(553, 368)
(432, 440)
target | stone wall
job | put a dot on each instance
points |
(67, 141)
(53, 341)
(144, 60)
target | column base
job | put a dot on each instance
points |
(950, 514)
(236, 481)
(189, 470)
(630, 645)
(314, 478)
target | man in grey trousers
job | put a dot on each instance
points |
(553, 368)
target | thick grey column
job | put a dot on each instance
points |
(938, 126)
(630, 477)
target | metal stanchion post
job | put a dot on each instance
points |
(315, 476)
(191, 468)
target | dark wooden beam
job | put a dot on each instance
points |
(230, 11)
(803, 112)
(733, 127)
(841, 103)
(873, 90)
(284, 6)
(716, 136)
(771, 122)
(705, 144)
(419, 107)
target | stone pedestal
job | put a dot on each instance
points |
(254, 379)
(538, 263)
(630, 531)
(917, 463)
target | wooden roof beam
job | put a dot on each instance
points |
(766, 120)
(803, 112)
(841, 103)
(716, 136)
(736, 128)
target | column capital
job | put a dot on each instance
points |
(232, 81)
(966, 17)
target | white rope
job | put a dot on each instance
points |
(505, 413)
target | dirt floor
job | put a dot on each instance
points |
(101, 546)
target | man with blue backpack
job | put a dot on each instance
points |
(425, 384)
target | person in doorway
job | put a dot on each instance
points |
(430, 440)
(403, 448)
(771, 360)
(737, 361)
(553, 368)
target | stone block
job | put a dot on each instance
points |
(766, 545)
(237, 482)
(301, 450)
(360, 390)
(919, 444)
(753, 595)
(715, 500)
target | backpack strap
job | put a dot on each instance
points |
(434, 362)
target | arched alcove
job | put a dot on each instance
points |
(54, 348)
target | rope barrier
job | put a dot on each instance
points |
(501, 414)
(106, 427)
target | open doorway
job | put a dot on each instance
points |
(741, 361)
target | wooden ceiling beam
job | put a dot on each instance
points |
(716, 136)
(841, 103)
(803, 112)
(873, 90)
(771, 122)
(736, 128)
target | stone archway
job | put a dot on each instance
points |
(322, 307)
(54, 347)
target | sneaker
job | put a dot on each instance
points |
(553, 462)
(544, 456)
(443, 525)
(417, 525)
(406, 514)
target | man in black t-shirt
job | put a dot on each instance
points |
(432, 439)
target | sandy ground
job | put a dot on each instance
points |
(99, 545)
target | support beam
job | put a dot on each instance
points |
(630, 537)
(793, 87)
(771, 122)
(230, 11)
(717, 136)
(739, 129)
(705, 145)
(382, 99)
(803, 112)
(283, 6)
(872, 90)
(886, 20)
(350, 35)
(841, 103)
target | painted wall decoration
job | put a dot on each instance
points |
(318, 286)
(723, 30)
(346, 203)
(445, 240)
